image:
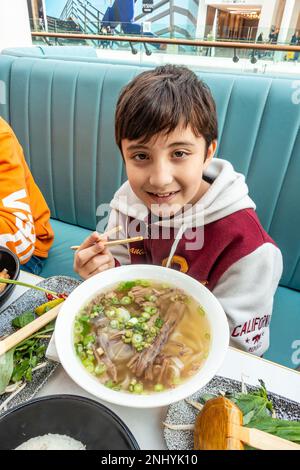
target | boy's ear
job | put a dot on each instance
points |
(210, 153)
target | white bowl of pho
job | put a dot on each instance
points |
(141, 336)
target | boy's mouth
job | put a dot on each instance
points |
(162, 197)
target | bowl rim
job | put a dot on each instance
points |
(10, 287)
(78, 298)
(79, 398)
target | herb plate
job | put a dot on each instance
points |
(183, 413)
(29, 301)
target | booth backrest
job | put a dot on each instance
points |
(75, 53)
(51, 51)
(63, 115)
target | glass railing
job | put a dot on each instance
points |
(110, 40)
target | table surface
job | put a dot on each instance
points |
(146, 424)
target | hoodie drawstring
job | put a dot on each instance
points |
(175, 243)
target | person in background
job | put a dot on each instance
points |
(105, 43)
(24, 215)
(260, 40)
(273, 37)
(209, 37)
(295, 41)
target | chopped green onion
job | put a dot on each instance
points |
(158, 388)
(84, 319)
(110, 313)
(88, 364)
(151, 298)
(143, 283)
(137, 338)
(132, 322)
(114, 324)
(151, 310)
(126, 300)
(97, 308)
(89, 339)
(123, 315)
(109, 383)
(138, 388)
(100, 369)
(146, 315)
(201, 311)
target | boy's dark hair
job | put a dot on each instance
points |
(160, 99)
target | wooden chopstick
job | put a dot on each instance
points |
(123, 241)
(105, 234)
(23, 333)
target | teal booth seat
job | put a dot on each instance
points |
(63, 114)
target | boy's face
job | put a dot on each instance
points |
(166, 172)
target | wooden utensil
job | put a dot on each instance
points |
(116, 242)
(23, 333)
(219, 426)
(105, 234)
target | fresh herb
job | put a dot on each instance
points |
(24, 284)
(127, 285)
(159, 322)
(18, 363)
(6, 369)
(23, 320)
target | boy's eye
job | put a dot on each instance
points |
(180, 154)
(140, 157)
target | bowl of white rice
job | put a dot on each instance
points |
(64, 422)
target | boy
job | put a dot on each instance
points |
(24, 215)
(166, 129)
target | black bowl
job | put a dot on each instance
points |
(86, 420)
(11, 262)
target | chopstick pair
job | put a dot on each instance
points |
(114, 242)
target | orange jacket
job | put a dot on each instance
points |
(24, 214)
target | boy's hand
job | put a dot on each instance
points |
(92, 257)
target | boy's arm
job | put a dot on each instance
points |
(246, 291)
(17, 230)
(119, 252)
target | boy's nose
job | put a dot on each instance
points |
(161, 176)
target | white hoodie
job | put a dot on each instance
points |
(227, 250)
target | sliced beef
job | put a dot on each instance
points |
(139, 293)
(147, 357)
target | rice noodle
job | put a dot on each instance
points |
(178, 363)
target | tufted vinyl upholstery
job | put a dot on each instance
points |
(63, 114)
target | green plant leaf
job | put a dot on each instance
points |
(23, 320)
(6, 369)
